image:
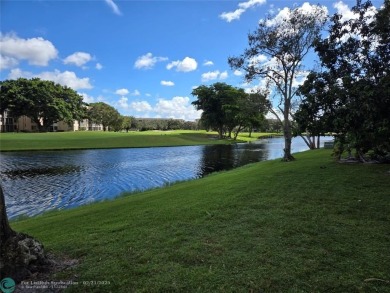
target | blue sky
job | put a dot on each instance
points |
(142, 57)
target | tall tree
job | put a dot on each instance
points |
(220, 106)
(104, 114)
(252, 110)
(210, 99)
(315, 112)
(43, 101)
(256, 109)
(356, 62)
(275, 53)
(127, 122)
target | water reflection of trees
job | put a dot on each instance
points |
(225, 157)
(41, 171)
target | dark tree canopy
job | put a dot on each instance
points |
(127, 122)
(252, 110)
(351, 96)
(275, 53)
(102, 113)
(216, 102)
(45, 102)
(316, 109)
(227, 109)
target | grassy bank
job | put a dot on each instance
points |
(312, 225)
(98, 139)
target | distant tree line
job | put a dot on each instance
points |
(227, 110)
(46, 102)
(111, 119)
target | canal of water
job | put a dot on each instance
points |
(35, 182)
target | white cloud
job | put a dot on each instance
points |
(262, 60)
(186, 65)
(242, 7)
(113, 6)
(258, 59)
(7, 62)
(66, 78)
(212, 75)
(140, 106)
(280, 17)
(147, 61)
(135, 93)
(78, 58)
(167, 83)
(344, 11)
(122, 92)
(319, 12)
(87, 98)
(255, 87)
(208, 63)
(122, 103)
(178, 108)
(223, 75)
(347, 14)
(37, 51)
(237, 72)
(230, 16)
(98, 66)
(300, 78)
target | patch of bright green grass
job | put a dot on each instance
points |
(312, 225)
(97, 140)
(101, 140)
(244, 136)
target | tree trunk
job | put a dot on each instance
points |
(20, 255)
(306, 140)
(220, 132)
(237, 131)
(5, 229)
(230, 130)
(312, 142)
(287, 141)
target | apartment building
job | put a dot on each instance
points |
(25, 124)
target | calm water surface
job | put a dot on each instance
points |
(35, 182)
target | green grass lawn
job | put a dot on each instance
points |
(98, 139)
(312, 225)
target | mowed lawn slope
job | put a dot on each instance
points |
(312, 225)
